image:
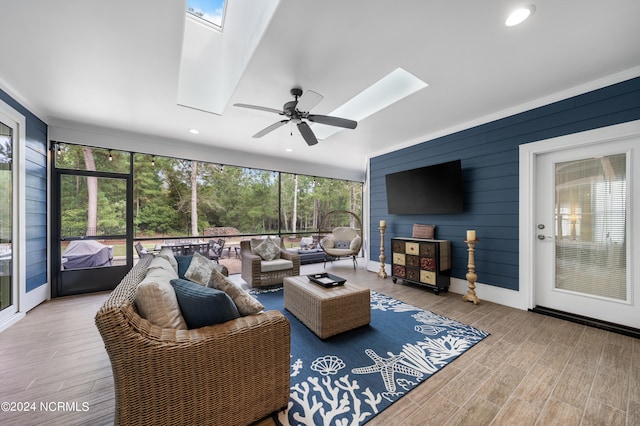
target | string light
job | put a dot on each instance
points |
(59, 151)
(153, 160)
(110, 156)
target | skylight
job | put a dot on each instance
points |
(385, 92)
(210, 11)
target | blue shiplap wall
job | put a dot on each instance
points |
(489, 155)
(35, 191)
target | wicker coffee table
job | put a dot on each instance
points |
(327, 311)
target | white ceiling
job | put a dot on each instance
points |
(116, 64)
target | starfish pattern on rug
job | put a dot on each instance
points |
(387, 367)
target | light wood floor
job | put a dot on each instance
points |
(532, 370)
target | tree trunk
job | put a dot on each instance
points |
(352, 203)
(194, 198)
(92, 193)
(294, 215)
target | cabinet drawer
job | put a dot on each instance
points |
(413, 261)
(428, 263)
(399, 271)
(399, 258)
(413, 274)
(412, 248)
(428, 249)
(428, 277)
(397, 246)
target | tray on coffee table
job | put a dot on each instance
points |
(326, 280)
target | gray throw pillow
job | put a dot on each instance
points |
(343, 244)
(268, 250)
(199, 269)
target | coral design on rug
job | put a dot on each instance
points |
(350, 378)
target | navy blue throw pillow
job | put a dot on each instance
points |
(183, 264)
(202, 306)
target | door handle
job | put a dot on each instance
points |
(542, 237)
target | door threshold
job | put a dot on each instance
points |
(591, 322)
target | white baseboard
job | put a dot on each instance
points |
(11, 320)
(490, 293)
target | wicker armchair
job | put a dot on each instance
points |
(231, 373)
(256, 275)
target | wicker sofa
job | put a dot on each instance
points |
(232, 373)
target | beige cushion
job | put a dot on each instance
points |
(355, 243)
(344, 233)
(328, 242)
(156, 300)
(160, 263)
(268, 249)
(167, 254)
(200, 269)
(246, 304)
(275, 265)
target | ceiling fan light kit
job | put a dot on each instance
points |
(297, 112)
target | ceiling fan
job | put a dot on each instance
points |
(297, 111)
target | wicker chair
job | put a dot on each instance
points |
(253, 267)
(226, 374)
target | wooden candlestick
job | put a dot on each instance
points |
(382, 273)
(471, 275)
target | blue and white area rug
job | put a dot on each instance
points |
(349, 378)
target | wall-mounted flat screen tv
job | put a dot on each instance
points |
(435, 189)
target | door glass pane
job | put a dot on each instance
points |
(92, 207)
(591, 226)
(6, 215)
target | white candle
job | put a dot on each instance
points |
(471, 235)
(383, 223)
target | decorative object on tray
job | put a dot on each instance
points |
(471, 275)
(326, 280)
(426, 232)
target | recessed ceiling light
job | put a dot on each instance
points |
(194, 131)
(520, 15)
(289, 150)
(381, 94)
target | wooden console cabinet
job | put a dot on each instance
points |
(423, 262)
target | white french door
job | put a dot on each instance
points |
(587, 230)
(8, 281)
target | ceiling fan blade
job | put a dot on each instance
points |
(261, 108)
(307, 133)
(308, 100)
(333, 121)
(269, 129)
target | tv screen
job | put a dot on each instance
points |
(433, 189)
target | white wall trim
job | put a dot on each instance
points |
(488, 293)
(528, 155)
(11, 320)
